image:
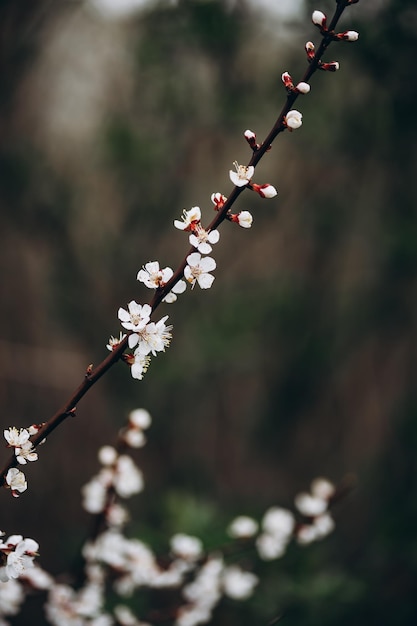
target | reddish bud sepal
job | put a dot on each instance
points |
(250, 137)
(287, 80)
(265, 191)
(128, 358)
(218, 200)
(244, 218)
(348, 35)
(333, 66)
(311, 50)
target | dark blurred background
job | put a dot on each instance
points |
(299, 362)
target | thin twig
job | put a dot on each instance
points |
(69, 408)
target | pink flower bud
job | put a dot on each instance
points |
(218, 200)
(333, 66)
(251, 139)
(310, 49)
(348, 35)
(319, 19)
(265, 191)
(303, 87)
(287, 80)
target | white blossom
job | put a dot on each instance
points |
(322, 488)
(270, 546)
(11, 597)
(26, 453)
(316, 503)
(324, 525)
(128, 479)
(238, 584)
(278, 522)
(15, 437)
(201, 239)
(116, 515)
(107, 455)
(278, 525)
(321, 526)
(203, 594)
(293, 120)
(140, 418)
(21, 553)
(243, 174)
(109, 548)
(125, 617)
(306, 534)
(178, 288)
(243, 527)
(136, 317)
(140, 365)
(114, 342)
(38, 578)
(309, 505)
(153, 277)
(134, 438)
(189, 219)
(65, 607)
(94, 493)
(198, 269)
(153, 338)
(16, 481)
(187, 547)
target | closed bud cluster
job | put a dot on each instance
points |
(314, 507)
(289, 85)
(133, 436)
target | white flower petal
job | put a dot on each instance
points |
(205, 281)
(207, 264)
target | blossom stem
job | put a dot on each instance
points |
(69, 408)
